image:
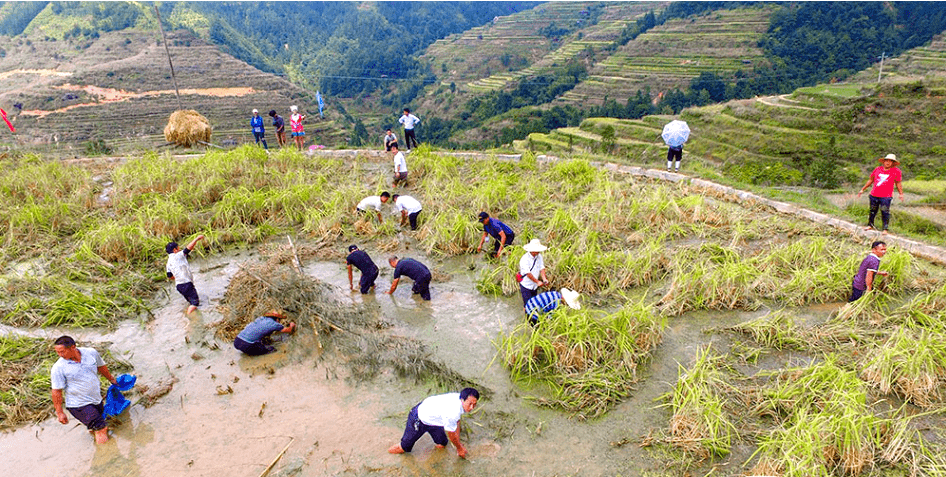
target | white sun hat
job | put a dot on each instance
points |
(571, 298)
(534, 246)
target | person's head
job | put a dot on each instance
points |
(352, 248)
(394, 197)
(394, 148)
(407, 110)
(65, 347)
(171, 247)
(293, 108)
(890, 160)
(469, 397)
(388, 132)
(272, 113)
(484, 218)
(276, 315)
(879, 248)
(392, 261)
(534, 247)
(385, 196)
(255, 112)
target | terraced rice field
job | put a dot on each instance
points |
(473, 59)
(670, 55)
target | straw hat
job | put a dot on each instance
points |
(571, 298)
(890, 157)
(275, 314)
(534, 246)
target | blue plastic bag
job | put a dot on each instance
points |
(115, 402)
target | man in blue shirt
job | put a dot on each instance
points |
(501, 233)
(416, 271)
(250, 340)
(369, 271)
(544, 303)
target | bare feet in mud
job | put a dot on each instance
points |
(101, 436)
(396, 449)
(190, 309)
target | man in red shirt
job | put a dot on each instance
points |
(883, 178)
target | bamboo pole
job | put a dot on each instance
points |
(177, 93)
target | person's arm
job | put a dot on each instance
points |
(502, 242)
(870, 180)
(479, 247)
(103, 370)
(455, 439)
(379, 216)
(900, 188)
(393, 285)
(869, 280)
(403, 216)
(193, 243)
(545, 279)
(289, 329)
(351, 284)
(57, 403)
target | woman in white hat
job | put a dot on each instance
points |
(545, 302)
(531, 270)
(256, 124)
(884, 178)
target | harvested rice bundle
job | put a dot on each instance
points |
(187, 127)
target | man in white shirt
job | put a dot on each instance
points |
(408, 207)
(179, 270)
(532, 270)
(440, 417)
(373, 202)
(400, 167)
(409, 121)
(74, 380)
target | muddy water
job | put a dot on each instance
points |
(336, 427)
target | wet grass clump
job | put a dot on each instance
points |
(587, 359)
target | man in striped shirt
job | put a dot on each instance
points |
(544, 303)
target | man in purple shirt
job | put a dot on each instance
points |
(870, 267)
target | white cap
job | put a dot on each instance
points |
(255, 111)
(293, 108)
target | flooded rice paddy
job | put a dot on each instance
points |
(340, 427)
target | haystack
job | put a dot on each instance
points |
(187, 127)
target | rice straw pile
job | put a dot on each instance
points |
(187, 128)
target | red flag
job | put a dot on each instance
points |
(4, 114)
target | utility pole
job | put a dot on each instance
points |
(177, 93)
(882, 55)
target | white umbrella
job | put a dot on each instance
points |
(676, 133)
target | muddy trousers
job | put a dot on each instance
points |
(882, 203)
(415, 429)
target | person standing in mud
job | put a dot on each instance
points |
(295, 124)
(74, 380)
(250, 340)
(279, 124)
(415, 271)
(870, 267)
(531, 274)
(259, 133)
(884, 178)
(501, 233)
(409, 208)
(369, 271)
(409, 121)
(438, 416)
(180, 271)
(400, 167)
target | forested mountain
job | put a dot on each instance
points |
(540, 65)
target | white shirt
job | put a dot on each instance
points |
(179, 268)
(443, 410)
(529, 264)
(400, 165)
(408, 120)
(79, 380)
(408, 203)
(373, 201)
